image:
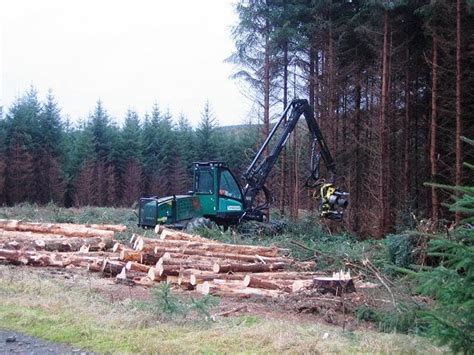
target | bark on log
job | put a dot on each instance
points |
(75, 244)
(187, 263)
(43, 258)
(108, 227)
(154, 275)
(197, 278)
(169, 234)
(51, 242)
(134, 266)
(252, 281)
(112, 267)
(149, 245)
(142, 258)
(68, 230)
(288, 275)
(226, 290)
(130, 274)
(179, 253)
(176, 269)
(221, 268)
(118, 247)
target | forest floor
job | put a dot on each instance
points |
(86, 311)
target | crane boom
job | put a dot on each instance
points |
(257, 173)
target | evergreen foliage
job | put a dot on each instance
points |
(451, 283)
(46, 158)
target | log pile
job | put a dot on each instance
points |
(187, 261)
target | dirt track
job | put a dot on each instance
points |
(18, 343)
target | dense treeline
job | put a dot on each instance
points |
(44, 158)
(391, 84)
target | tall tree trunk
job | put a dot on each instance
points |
(311, 88)
(283, 153)
(266, 102)
(358, 168)
(434, 123)
(296, 185)
(406, 138)
(384, 173)
(458, 176)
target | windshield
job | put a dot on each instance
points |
(228, 187)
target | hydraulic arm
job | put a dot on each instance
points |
(333, 201)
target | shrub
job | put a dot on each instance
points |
(167, 305)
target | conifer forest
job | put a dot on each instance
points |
(390, 84)
(88, 263)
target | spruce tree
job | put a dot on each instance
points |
(451, 283)
(206, 136)
(50, 184)
(22, 143)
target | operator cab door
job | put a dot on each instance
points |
(231, 202)
(204, 189)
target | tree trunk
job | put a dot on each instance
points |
(169, 234)
(433, 135)
(266, 102)
(197, 278)
(458, 175)
(231, 289)
(139, 257)
(384, 173)
(186, 253)
(164, 245)
(406, 133)
(63, 229)
(332, 285)
(222, 268)
(283, 183)
(358, 163)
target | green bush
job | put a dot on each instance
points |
(167, 305)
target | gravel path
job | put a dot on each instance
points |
(18, 343)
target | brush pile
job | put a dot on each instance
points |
(188, 261)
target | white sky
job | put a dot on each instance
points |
(127, 53)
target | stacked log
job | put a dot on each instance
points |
(210, 267)
(58, 244)
(188, 261)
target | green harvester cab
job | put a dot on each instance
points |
(216, 195)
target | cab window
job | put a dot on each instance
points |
(204, 181)
(228, 186)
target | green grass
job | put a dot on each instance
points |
(70, 312)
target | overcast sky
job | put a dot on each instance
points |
(126, 53)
